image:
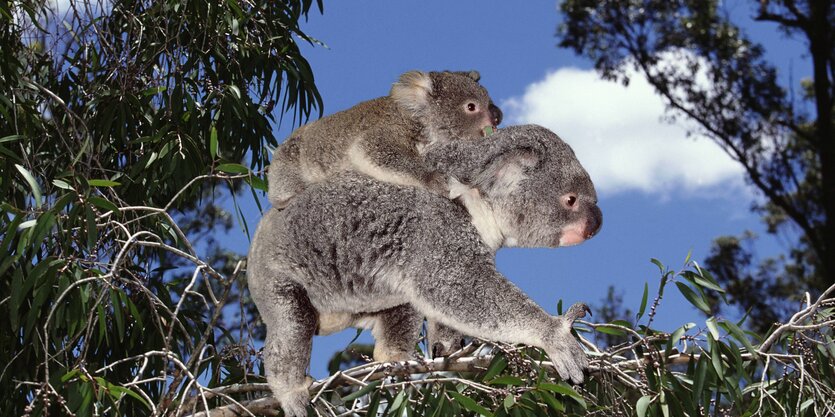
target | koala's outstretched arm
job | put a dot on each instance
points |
(477, 300)
(387, 156)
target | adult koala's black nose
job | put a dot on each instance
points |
(495, 114)
(594, 221)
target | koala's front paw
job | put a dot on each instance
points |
(569, 360)
(565, 352)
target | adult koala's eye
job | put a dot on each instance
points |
(471, 107)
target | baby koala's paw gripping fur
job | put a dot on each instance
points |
(565, 352)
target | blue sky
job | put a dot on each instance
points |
(662, 194)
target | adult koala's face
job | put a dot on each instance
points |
(539, 194)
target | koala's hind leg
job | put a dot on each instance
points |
(291, 322)
(396, 331)
(286, 179)
(443, 340)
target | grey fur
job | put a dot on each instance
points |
(385, 137)
(353, 251)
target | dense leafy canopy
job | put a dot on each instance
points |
(111, 113)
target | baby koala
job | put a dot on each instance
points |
(386, 137)
(353, 251)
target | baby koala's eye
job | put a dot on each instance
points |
(471, 107)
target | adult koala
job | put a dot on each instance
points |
(353, 251)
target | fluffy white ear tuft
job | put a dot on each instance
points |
(411, 92)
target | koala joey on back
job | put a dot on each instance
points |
(385, 137)
(353, 251)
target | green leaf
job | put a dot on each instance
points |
(610, 330)
(563, 389)
(698, 280)
(552, 401)
(705, 274)
(699, 380)
(27, 224)
(469, 404)
(716, 358)
(508, 402)
(103, 204)
(643, 306)
(497, 365)
(676, 335)
(658, 263)
(738, 334)
(642, 405)
(362, 391)
(92, 231)
(33, 184)
(213, 142)
(696, 299)
(63, 184)
(102, 183)
(235, 91)
(373, 405)
(116, 391)
(154, 90)
(711, 326)
(11, 138)
(398, 400)
(233, 168)
(256, 182)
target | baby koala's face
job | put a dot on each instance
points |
(460, 108)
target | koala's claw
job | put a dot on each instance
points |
(577, 311)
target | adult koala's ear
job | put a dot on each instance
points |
(474, 75)
(411, 92)
(506, 170)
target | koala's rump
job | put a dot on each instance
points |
(356, 244)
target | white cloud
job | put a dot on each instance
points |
(618, 134)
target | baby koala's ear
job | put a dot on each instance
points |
(504, 172)
(411, 92)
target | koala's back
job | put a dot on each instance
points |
(325, 141)
(352, 241)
